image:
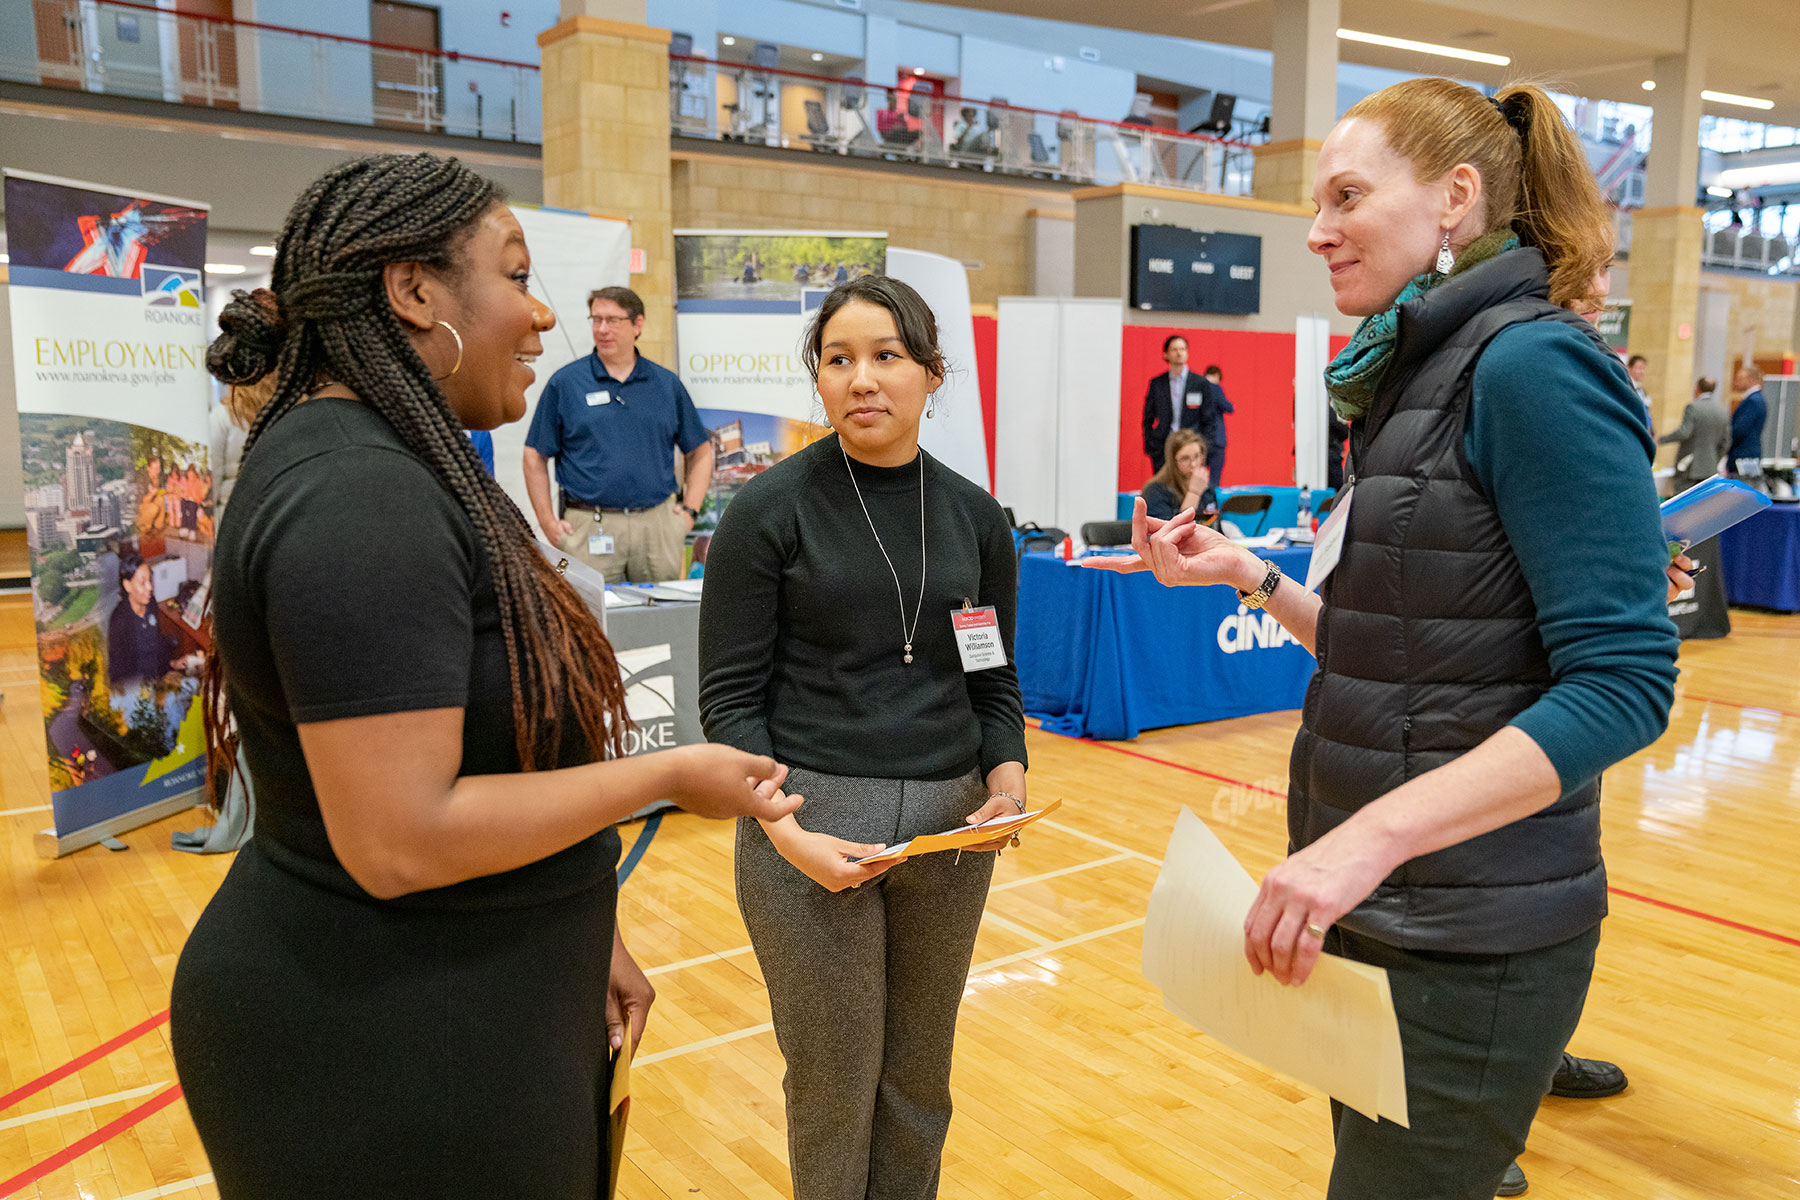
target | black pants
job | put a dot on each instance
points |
(1215, 464)
(1482, 1035)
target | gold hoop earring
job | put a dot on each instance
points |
(459, 352)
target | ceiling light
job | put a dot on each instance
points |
(1377, 39)
(263, 251)
(918, 70)
(729, 41)
(1723, 193)
(1765, 175)
(1649, 85)
(225, 269)
(817, 57)
(1743, 101)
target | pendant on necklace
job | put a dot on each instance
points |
(909, 652)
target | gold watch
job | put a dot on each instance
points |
(1261, 595)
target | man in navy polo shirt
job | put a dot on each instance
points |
(614, 422)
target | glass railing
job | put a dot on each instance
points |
(137, 50)
(732, 102)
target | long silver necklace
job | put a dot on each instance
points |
(906, 633)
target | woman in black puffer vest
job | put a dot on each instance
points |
(1493, 636)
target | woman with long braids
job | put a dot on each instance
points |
(410, 981)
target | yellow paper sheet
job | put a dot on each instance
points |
(1336, 1032)
(960, 839)
(619, 1106)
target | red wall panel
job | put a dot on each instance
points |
(987, 343)
(1258, 371)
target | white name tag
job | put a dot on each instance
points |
(1328, 543)
(977, 633)
(1193, 399)
(594, 398)
(600, 543)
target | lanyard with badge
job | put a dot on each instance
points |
(600, 543)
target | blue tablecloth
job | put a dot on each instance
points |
(1106, 655)
(1761, 559)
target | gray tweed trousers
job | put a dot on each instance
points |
(865, 983)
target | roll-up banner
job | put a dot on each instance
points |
(109, 354)
(572, 254)
(742, 300)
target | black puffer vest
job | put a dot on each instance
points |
(1428, 644)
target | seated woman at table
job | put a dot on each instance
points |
(1184, 481)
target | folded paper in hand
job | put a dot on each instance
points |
(1336, 1032)
(959, 839)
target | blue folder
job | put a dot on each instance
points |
(1707, 509)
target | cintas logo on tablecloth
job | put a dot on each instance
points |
(1246, 630)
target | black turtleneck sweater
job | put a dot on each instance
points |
(801, 643)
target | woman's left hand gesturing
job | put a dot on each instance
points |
(1301, 898)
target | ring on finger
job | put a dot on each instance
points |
(1317, 931)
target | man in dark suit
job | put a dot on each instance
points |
(1747, 418)
(1212, 421)
(1175, 399)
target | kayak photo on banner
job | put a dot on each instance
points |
(742, 301)
(109, 349)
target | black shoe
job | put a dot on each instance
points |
(1586, 1078)
(1513, 1183)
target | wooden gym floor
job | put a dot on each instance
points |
(1071, 1081)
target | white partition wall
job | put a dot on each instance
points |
(956, 436)
(1312, 352)
(1056, 445)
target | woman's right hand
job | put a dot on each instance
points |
(1183, 553)
(719, 781)
(826, 860)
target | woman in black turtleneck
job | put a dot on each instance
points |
(826, 637)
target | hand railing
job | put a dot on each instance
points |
(131, 49)
(732, 102)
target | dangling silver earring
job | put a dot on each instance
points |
(930, 407)
(1446, 260)
(459, 352)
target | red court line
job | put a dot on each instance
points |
(1768, 708)
(1163, 762)
(100, 1136)
(1691, 912)
(73, 1065)
(1694, 912)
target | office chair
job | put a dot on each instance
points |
(1256, 505)
(1107, 533)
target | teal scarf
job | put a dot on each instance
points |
(1355, 374)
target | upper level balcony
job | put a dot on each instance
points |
(135, 50)
(116, 47)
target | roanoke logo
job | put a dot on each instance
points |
(171, 287)
(649, 697)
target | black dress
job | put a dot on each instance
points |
(450, 1043)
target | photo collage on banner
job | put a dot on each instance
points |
(109, 348)
(742, 300)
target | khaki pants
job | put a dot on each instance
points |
(646, 545)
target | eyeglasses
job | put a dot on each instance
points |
(613, 322)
